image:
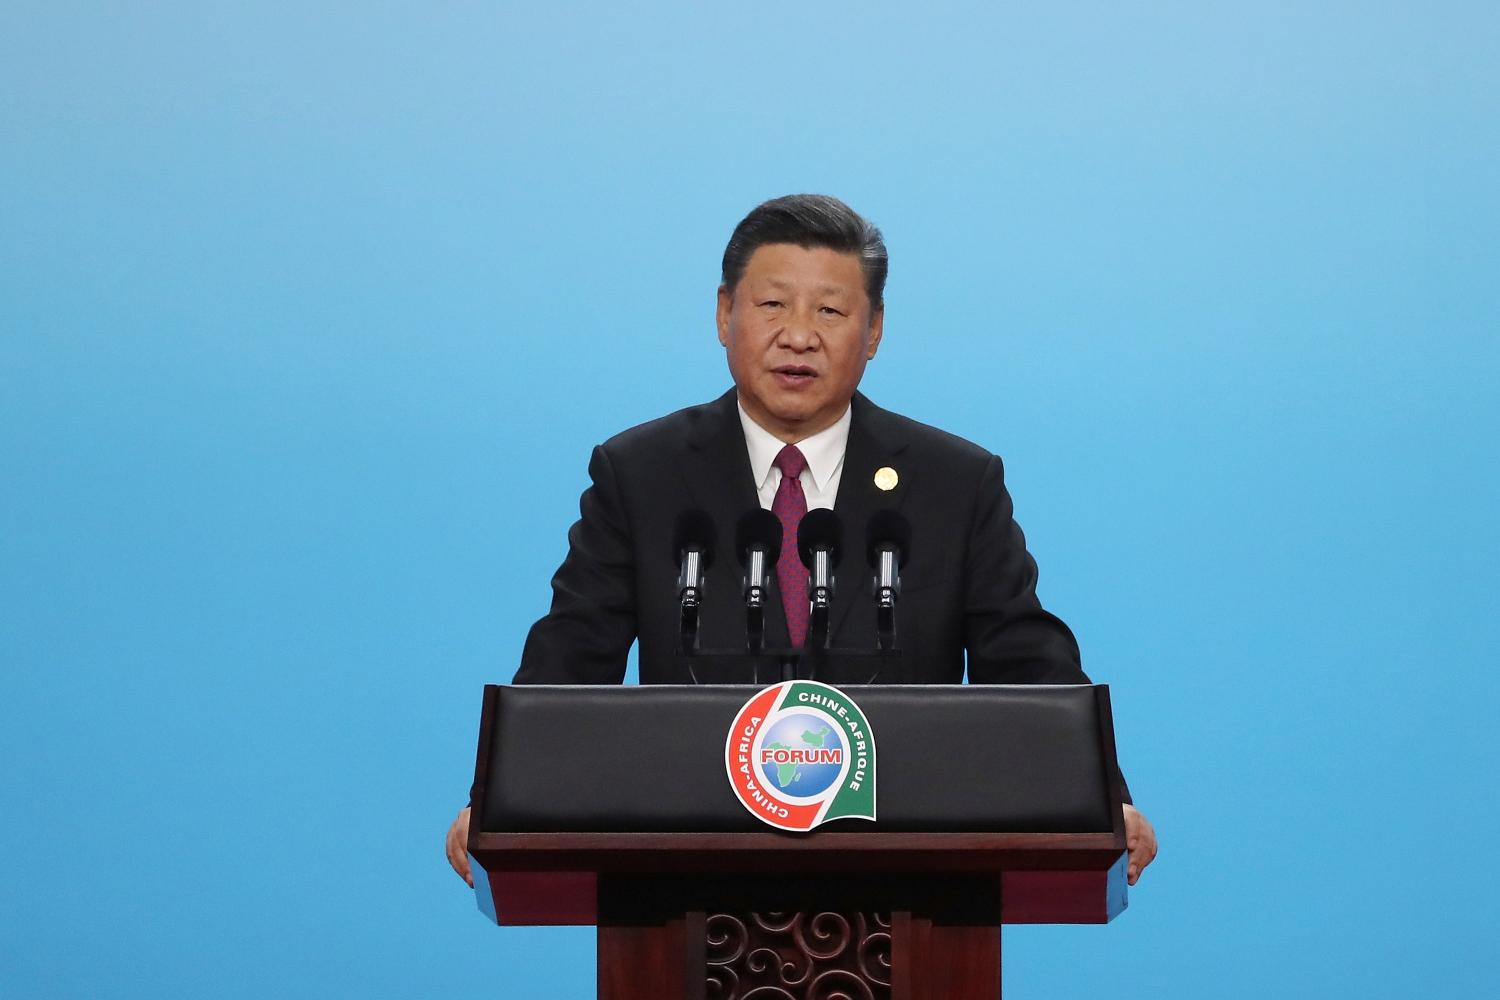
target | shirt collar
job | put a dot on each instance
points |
(824, 450)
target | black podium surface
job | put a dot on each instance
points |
(1018, 759)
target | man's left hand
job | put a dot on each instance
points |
(1140, 838)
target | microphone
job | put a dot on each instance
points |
(757, 540)
(818, 545)
(887, 545)
(693, 546)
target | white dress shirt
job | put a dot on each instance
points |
(824, 452)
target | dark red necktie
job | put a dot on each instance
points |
(791, 576)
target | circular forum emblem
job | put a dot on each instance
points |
(801, 753)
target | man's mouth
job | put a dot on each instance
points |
(794, 374)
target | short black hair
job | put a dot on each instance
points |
(808, 221)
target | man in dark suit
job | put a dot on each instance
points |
(969, 584)
(800, 313)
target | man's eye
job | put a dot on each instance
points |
(831, 311)
(772, 303)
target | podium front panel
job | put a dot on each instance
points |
(643, 759)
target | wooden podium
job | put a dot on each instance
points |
(611, 807)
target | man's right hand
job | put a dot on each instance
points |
(458, 846)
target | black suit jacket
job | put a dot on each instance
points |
(969, 585)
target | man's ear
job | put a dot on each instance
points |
(877, 327)
(721, 314)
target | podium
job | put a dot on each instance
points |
(612, 807)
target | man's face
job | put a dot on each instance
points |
(798, 331)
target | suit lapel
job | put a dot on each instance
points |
(874, 444)
(717, 473)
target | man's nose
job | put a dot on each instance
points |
(800, 333)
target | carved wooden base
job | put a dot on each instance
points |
(887, 939)
(787, 956)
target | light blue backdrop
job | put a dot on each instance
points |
(309, 316)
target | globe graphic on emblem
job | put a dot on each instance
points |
(802, 754)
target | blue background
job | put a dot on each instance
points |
(310, 313)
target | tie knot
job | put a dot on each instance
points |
(790, 461)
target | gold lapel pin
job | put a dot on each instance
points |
(886, 478)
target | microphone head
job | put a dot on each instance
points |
(694, 529)
(887, 528)
(819, 530)
(758, 528)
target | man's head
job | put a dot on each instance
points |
(801, 310)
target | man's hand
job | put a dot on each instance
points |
(458, 846)
(1140, 838)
